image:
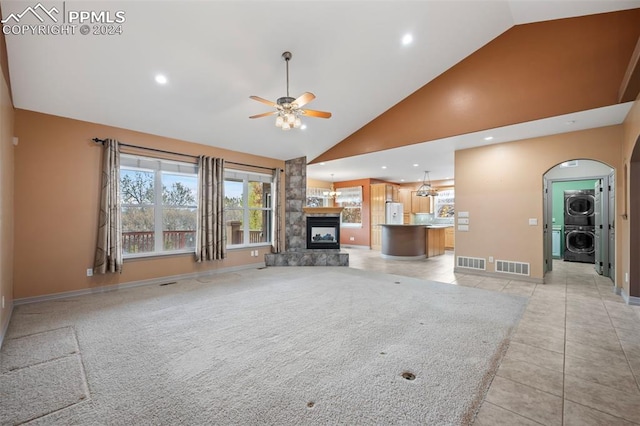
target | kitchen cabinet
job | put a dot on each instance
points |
(392, 193)
(435, 241)
(449, 238)
(377, 199)
(404, 197)
(421, 204)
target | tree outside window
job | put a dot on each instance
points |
(159, 205)
(351, 199)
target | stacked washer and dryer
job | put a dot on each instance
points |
(579, 225)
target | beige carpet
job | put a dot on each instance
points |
(274, 346)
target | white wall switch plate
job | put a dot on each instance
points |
(533, 222)
(463, 214)
(463, 228)
(490, 259)
(463, 221)
(89, 272)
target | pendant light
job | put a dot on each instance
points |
(332, 193)
(426, 190)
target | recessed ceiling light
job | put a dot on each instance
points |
(161, 79)
(407, 39)
(570, 122)
(304, 126)
(488, 138)
(416, 165)
(384, 167)
(322, 164)
(401, 180)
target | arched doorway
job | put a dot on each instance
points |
(579, 215)
(632, 187)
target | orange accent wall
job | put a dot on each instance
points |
(529, 72)
(6, 203)
(501, 187)
(57, 171)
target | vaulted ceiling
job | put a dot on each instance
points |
(473, 65)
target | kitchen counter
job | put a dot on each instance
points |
(403, 241)
(412, 241)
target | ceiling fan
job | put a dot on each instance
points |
(289, 110)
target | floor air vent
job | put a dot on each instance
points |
(471, 263)
(507, 267)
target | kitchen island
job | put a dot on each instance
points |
(411, 241)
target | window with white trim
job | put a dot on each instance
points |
(158, 204)
(316, 197)
(351, 199)
(248, 209)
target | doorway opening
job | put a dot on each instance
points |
(579, 215)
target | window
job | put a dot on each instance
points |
(248, 211)
(159, 205)
(445, 204)
(316, 197)
(351, 199)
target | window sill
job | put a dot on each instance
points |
(151, 255)
(246, 246)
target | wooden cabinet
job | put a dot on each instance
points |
(435, 241)
(404, 197)
(378, 198)
(449, 238)
(392, 193)
(421, 204)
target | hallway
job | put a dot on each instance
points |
(575, 356)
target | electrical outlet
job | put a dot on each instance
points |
(490, 259)
(89, 272)
(626, 277)
(352, 238)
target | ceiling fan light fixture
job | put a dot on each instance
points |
(289, 110)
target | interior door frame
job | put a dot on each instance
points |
(548, 211)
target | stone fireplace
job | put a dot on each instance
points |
(300, 247)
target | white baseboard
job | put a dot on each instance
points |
(630, 300)
(151, 281)
(3, 331)
(514, 277)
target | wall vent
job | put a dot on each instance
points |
(471, 262)
(508, 267)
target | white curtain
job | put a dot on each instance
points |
(109, 248)
(276, 245)
(211, 241)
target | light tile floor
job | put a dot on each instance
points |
(574, 358)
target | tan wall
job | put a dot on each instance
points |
(501, 188)
(57, 170)
(6, 203)
(631, 127)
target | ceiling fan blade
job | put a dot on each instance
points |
(264, 114)
(313, 113)
(304, 99)
(264, 101)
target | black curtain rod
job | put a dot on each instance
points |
(102, 141)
